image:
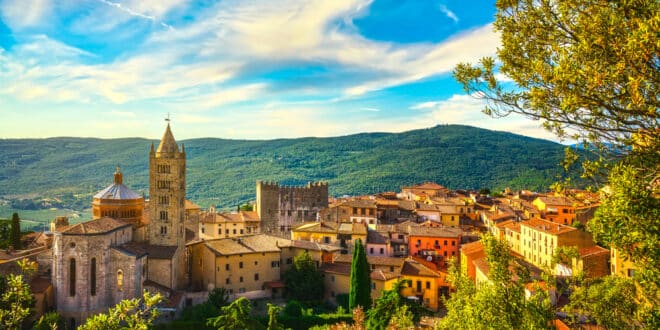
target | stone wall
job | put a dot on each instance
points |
(282, 207)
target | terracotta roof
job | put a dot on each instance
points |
(363, 203)
(511, 225)
(246, 244)
(375, 237)
(434, 231)
(189, 205)
(140, 249)
(470, 248)
(380, 275)
(313, 246)
(414, 268)
(547, 226)
(556, 200)
(407, 205)
(593, 251)
(352, 229)
(482, 265)
(336, 268)
(315, 227)
(426, 207)
(241, 216)
(167, 143)
(95, 227)
(427, 185)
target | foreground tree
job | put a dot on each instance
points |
(137, 313)
(273, 312)
(235, 316)
(391, 309)
(590, 70)
(360, 290)
(500, 304)
(15, 233)
(304, 282)
(16, 300)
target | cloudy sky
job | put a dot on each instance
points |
(240, 69)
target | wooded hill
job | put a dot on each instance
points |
(223, 172)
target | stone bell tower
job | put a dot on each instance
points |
(167, 192)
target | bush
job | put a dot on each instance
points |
(293, 309)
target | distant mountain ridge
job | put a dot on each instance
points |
(223, 172)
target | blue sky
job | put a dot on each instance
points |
(240, 69)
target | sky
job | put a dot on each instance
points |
(243, 69)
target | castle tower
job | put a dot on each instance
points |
(167, 191)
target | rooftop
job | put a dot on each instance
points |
(94, 227)
(434, 231)
(547, 226)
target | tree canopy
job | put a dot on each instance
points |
(360, 290)
(304, 282)
(137, 313)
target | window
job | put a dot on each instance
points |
(332, 278)
(163, 230)
(163, 215)
(92, 277)
(241, 231)
(240, 279)
(202, 229)
(120, 280)
(164, 200)
(226, 231)
(373, 286)
(371, 250)
(445, 242)
(274, 264)
(326, 240)
(428, 285)
(453, 243)
(240, 264)
(382, 251)
(226, 266)
(288, 261)
(72, 277)
(227, 281)
(419, 286)
(164, 184)
(234, 231)
(256, 276)
(436, 243)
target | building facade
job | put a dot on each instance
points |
(282, 207)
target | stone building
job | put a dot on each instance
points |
(130, 245)
(91, 271)
(282, 207)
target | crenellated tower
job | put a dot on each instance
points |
(167, 192)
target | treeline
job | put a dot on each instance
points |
(223, 172)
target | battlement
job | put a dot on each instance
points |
(275, 186)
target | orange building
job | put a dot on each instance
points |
(441, 241)
(559, 210)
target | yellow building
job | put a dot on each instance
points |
(424, 283)
(540, 238)
(214, 225)
(511, 233)
(343, 234)
(620, 266)
(250, 265)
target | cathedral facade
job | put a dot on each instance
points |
(130, 245)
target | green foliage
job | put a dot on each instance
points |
(500, 304)
(273, 323)
(49, 321)
(391, 307)
(235, 316)
(15, 303)
(200, 312)
(137, 313)
(587, 66)
(219, 297)
(342, 300)
(610, 302)
(360, 290)
(293, 308)
(71, 170)
(304, 282)
(402, 319)
(15, 233)
(5, 230)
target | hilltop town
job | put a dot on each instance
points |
(167, 244)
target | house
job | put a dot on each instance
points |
(378, 243)
(620, 265)
(214, 224)
(471, 252)
(557, 209)
(541, 237)
(444, 241)
(423, 191)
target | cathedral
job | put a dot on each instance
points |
(130, 245)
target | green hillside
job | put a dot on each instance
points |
(223, 172)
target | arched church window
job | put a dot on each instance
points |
(120, 280)
(72, 277)
(92, 277)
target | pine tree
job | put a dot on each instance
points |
(15, 234)
(360, 294)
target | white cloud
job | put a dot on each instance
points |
(450, 14)
(20, 14)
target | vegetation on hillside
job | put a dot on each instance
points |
(68, 171)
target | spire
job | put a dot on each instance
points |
(118, 176)
(167, 143)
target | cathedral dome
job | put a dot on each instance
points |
(119, 202)
(117, 190)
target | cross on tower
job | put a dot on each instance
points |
(167, 119)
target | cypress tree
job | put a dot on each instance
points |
(360, 294)
(15, 234)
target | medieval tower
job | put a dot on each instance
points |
(167, 191)
(282, 207)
